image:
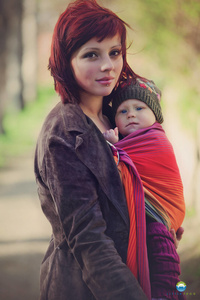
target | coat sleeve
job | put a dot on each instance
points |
(74, 190)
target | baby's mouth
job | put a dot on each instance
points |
(132, 123)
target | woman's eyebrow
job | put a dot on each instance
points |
(96, 48)
(118, 45)
(90, 48)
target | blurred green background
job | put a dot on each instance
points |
(164, 46)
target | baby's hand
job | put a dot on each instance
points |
(111, 135)
(177, 236)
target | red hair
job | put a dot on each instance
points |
(80, 22)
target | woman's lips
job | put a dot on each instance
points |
(105, 80)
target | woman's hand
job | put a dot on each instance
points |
(177, 236)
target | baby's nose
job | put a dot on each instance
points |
(131, 113)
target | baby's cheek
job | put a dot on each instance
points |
(119, 123)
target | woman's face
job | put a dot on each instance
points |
(97, 66)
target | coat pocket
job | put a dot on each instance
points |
(61, 277)
(46, 272)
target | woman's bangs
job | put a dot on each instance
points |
(108, 29)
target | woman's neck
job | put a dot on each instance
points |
(92, 107)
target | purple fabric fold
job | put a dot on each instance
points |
(164, 262)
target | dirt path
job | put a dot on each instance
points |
(24, 235)
(24, 232)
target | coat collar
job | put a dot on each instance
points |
(93, 150)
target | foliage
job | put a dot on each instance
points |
(166, 48)
(168, 33)
(22, 127)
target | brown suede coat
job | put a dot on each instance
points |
(82, 197)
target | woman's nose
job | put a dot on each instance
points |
(107, 64)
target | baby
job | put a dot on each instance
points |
(135, 107)
(138, 117)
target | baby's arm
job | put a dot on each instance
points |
(111, 135)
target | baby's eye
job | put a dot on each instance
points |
(139, 108)
(123, 111)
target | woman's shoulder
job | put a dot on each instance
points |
(63, 123)
(65, 117)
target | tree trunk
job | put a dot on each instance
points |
(3, 35)
(29, 63)
(14, 81)
(11, 83)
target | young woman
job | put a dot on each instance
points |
(78, 182)
(79, 186)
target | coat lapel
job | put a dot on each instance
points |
(95, 153)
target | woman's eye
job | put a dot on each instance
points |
(123, 111)
(115, 52)
(90, 55)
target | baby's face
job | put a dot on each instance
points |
(132, 115)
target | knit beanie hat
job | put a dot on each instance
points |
(145, 91)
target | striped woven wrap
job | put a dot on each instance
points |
(153, 156)
(137, 258)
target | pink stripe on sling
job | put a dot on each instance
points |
(137, 259)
